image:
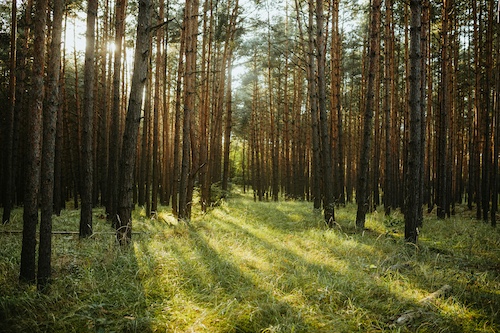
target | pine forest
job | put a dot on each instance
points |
(249, 166)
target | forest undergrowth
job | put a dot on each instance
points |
(259, 267)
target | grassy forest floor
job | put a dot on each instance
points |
(259, 267)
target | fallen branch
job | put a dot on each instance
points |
(438, 293)
(411, 315)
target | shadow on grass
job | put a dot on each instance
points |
(364, 280)
(256, 309)
(94, 288)
(282, 290)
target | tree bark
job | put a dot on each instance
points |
(8, 175)
(33, 158)
(388, 103)
(442, 199)
(127, 160)
(87, 123)
(362, 192)
(191, 16)
(326, 154)
(115, 133)
(48, 148)
(415, 161)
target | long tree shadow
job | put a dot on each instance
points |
(224, 276)
(371, 281)
(94, 288)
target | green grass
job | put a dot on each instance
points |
(258, 267)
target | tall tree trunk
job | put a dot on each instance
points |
(486, 109)
(388, 103)
(336, 109)
(326, 155)
(59, 176)
(442, 199)
(177, 125)
(227, 130)
(115, 133)
(87, 123)
(496, 149)
(312, 92)
(127, 160)
(415, 161)
(362, 192)
(101, 181)
(48, 148)
(229, 45)
(8, 174)
(156, 111)
(206, 55)
(33, 158)
(191, 27)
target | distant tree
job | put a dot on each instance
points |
(127, 160)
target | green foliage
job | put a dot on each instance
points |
(217, 194)
(258, 267)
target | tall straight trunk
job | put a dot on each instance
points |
(148, 118)
(204, 106)
(48, 148)
(77, 127)
(477, 145)
(22, 102)
(425, 52)
(496, 150)
(336, 109)
(362, 193)
(115, 133)
(191, 27)
(166, 181)
(228, 126)
(487, 110)
(326, 154)
(388, 103)
(415, 161)
(286, 169)
(312, 92)
(177, 125)
(33, 158)
(230, 31)
(59, 176)
(8, 174)
(442, 180)
(87, 123)
(156, 111)
(127, 160)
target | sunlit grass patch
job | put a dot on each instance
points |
(250, 266)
